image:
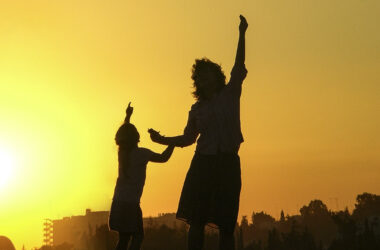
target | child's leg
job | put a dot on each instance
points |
(226, 238)
(196, 236)
(137, 239)
(122, 244)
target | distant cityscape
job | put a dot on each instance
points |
(316, 227)
(76, 229)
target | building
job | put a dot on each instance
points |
(76, 230)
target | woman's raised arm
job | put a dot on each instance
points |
(240, 53)
(239, 72)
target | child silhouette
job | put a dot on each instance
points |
(125, 215)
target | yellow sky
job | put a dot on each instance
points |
(309, 109)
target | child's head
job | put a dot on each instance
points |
(127, 136)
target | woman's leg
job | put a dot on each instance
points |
(137, 239)
(226, 238)
(196, 236)
(227, 205)
(122, 244)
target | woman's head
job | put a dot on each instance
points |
(127, 136)
(208, 78)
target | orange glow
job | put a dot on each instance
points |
(68, 69)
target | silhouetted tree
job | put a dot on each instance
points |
(282, 216)
(243, 236)
(263, 221)
(317, 218)
(274, 240)
(163, 237)
(367, 205)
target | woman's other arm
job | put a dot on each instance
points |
(189, 136)
(179, 141)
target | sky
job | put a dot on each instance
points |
(309, 109)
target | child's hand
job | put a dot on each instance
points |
(129, 110)
(154, 135)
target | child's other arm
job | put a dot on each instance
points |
(164, 156)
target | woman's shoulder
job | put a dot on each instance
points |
(195, 106)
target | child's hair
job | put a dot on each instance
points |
(126, 138)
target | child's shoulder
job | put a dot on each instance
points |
(144, 151)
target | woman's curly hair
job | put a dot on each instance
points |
(201, 68)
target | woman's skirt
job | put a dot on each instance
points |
(125, 217)
(211, 191)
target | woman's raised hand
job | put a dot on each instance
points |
(243, 24)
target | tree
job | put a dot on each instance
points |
(367, 205)
(317, 218)
(262, 220)
(315, 208)
(282, 217)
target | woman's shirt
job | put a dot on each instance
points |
(130, 182)
(217, 121)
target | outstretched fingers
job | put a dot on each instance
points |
(129, 110)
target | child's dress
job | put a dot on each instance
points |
(125, 214)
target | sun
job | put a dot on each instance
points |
(7, 164)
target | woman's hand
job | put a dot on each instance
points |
(243, 24)
(154, 135)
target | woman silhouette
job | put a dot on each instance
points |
(211, 191)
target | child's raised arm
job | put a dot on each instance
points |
(129, 113)
(164, 156)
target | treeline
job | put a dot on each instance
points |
(315, 228)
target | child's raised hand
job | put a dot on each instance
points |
(129, 110)
(154, 135)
